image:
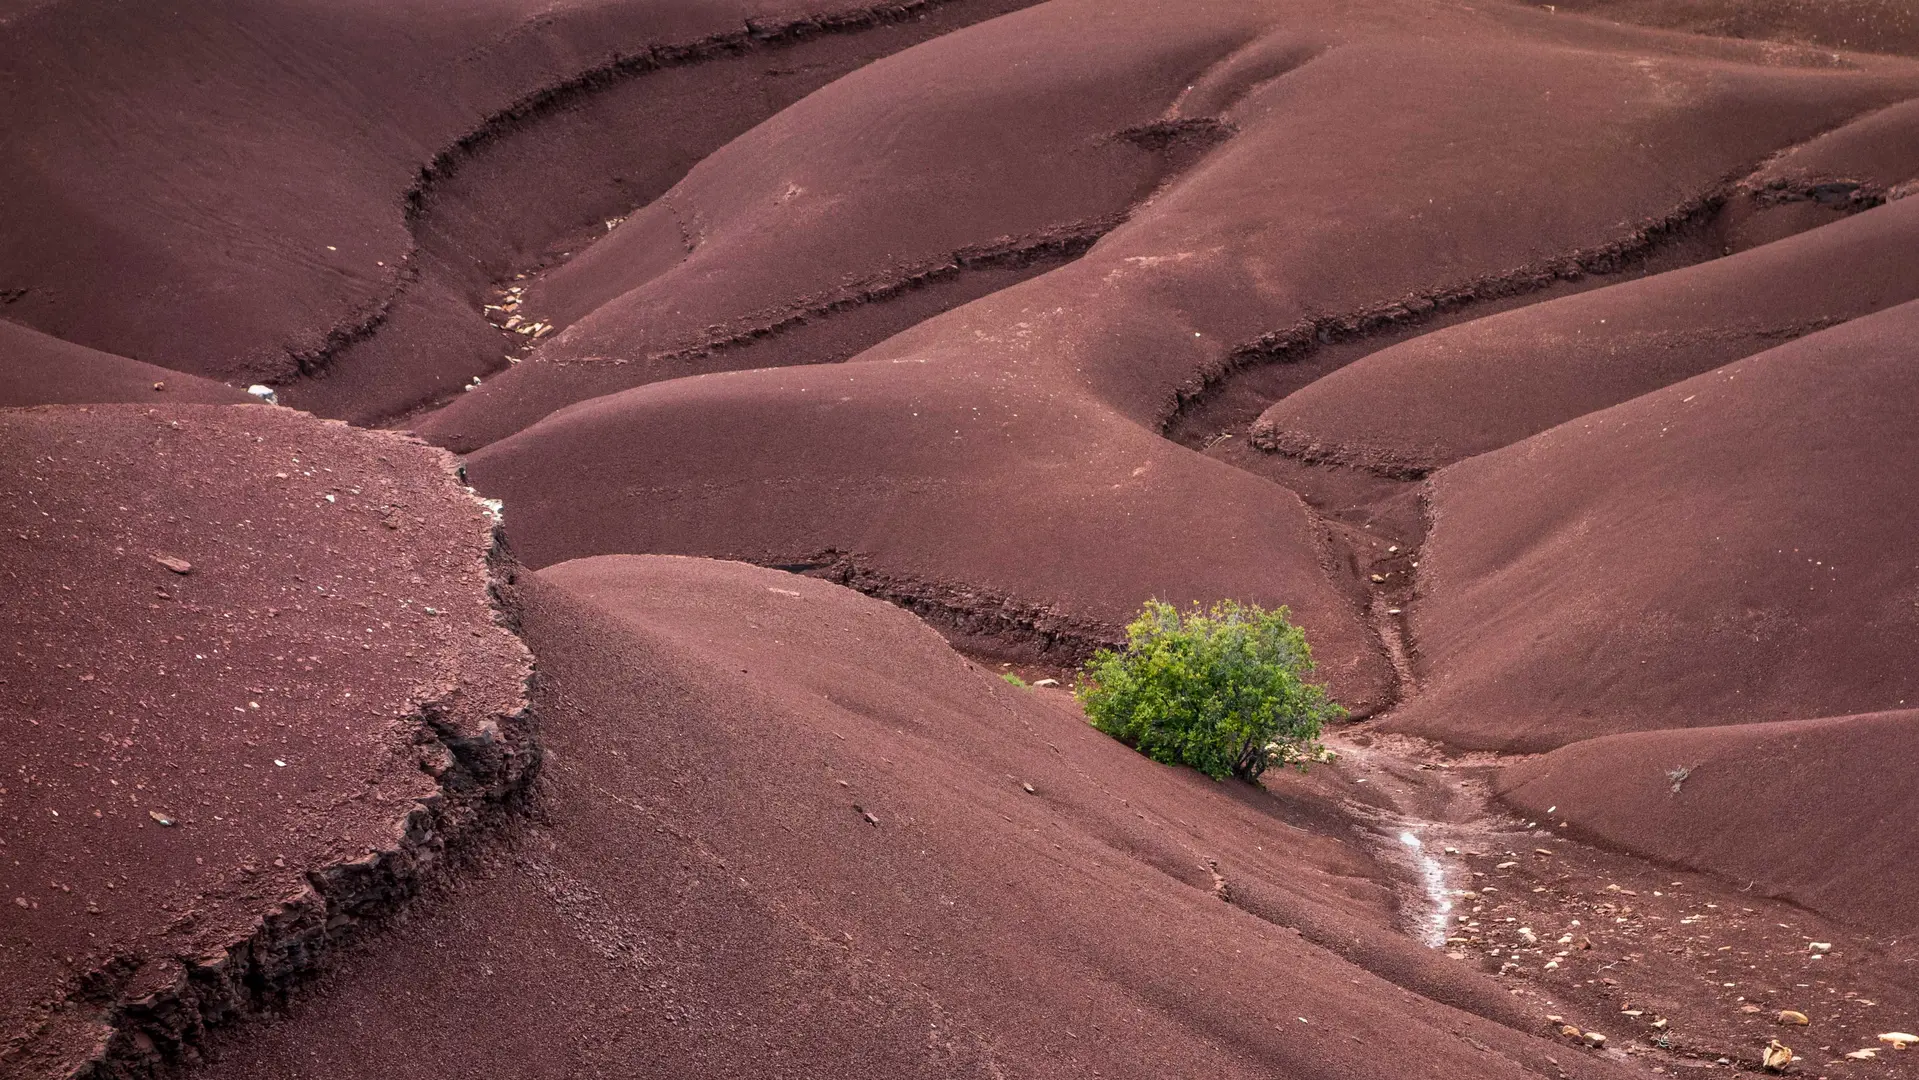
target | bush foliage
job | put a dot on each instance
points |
(1222, 690)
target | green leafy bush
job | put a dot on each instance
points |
(1220, 690)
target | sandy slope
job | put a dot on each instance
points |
(1817, 811)
(260, 192)
(37, 369)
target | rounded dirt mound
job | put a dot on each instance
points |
(1002, 464)
(783, 829)
(1485, 384)
(255, 679)
(36, 369)
(299, 195)
(1733, 548)
(1814, 811)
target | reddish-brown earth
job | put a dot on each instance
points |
(254, 681)
(1732, 548)
(1829, 840)
(1005, 457)
(37, 369)
(260, 193)
(1555, 364)
(783, 828)
(1491, 382)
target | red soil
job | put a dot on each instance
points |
(250, 192)
(1002, 512)
(1866, 25)
(783, 828)
(1046, 497)
(1816, 812)
(867, 190)
(973, 312)
(1491, 382)
(254, 679)
(1733, 548)
(36, 369)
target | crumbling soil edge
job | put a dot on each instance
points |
(1061, 242)
(1303, 338)
(754, 34)
(976, 621)
(481, 777)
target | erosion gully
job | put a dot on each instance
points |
(1682, 972)
(1678, 971)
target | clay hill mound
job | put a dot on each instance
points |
(1010, 521)
(1275, 218)
(1865, 25)
(1481, 385)
(36, 369)
(914, 181)
(784, 829)
(1002, 464)
(1850, 168)
(255, 679)
(276, 193)
(1815, 811)
(1730, 549)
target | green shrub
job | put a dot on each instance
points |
(1014, 679)
(1220, 690)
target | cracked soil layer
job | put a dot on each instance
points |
(1013, 445)
(783, 829)
(909, 172)
(1476, 387)
(225, 189)
(1729, 549)
(255, 680)
(596, 147)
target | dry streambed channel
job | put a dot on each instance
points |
(1684, 972)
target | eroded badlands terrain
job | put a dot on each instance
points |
(516, 515)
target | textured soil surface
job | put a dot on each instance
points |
(1729, 549)
(254, 680)
(783, 828)
(553, 537)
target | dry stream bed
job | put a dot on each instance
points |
(1683, 971)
